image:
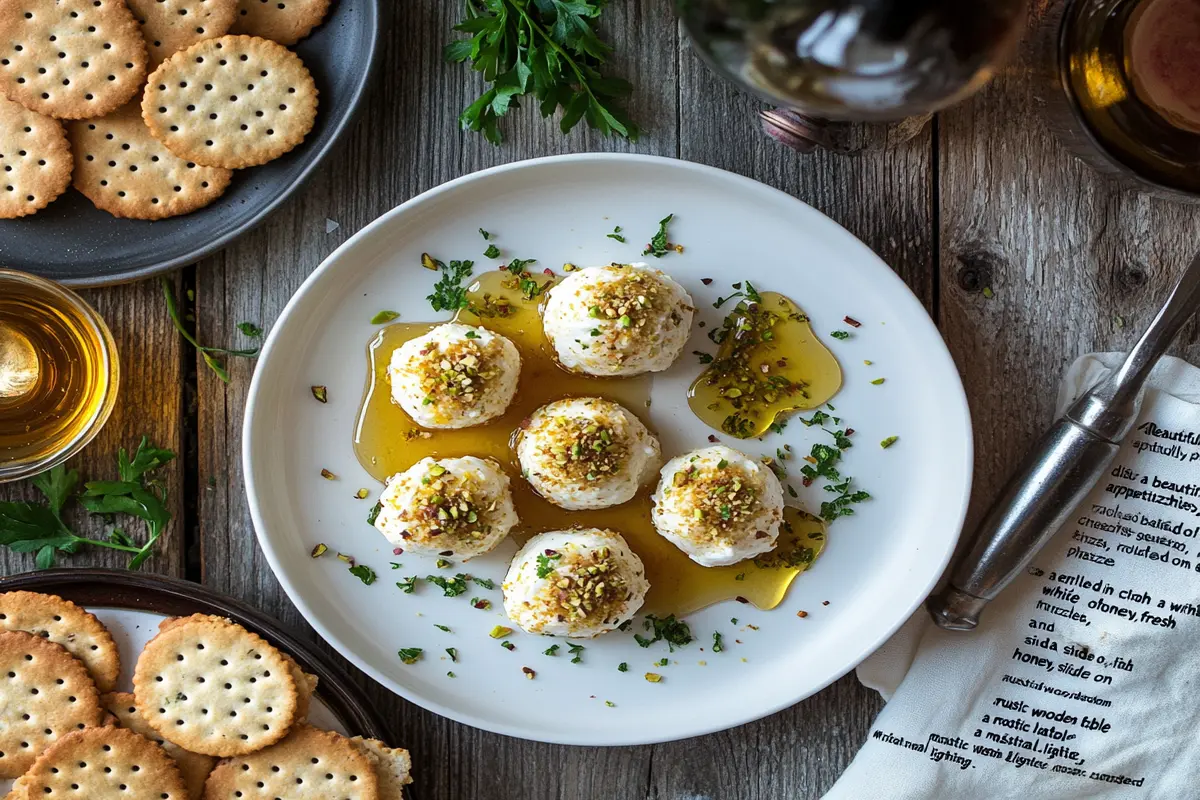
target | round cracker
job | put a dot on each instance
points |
(35, 160)
(105, 762)
(235, 101)
(70, 59)
(64, 623)
(173, 25)
(213, 687)
(45, 694)
(393, 767)
(310, 764)
(125, 171)
(283, 21)
(192, 766)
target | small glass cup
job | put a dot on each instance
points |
(59, 374)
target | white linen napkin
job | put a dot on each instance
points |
(1082, 679)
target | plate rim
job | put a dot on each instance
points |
(252, 412)
(348, 704)
(379, 19)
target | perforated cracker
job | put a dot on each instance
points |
(310, 764)
(393, 767)
(192, 766)
(65, 623)
(45, 694)
(213, 687)
(306, 687)
(173, 25)
(70, 58)
(283, 21)
(235, 101)
(107, 762)
(35, 160)
(128, 173)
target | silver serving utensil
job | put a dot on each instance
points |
(1060, 471)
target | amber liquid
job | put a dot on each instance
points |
(57, 373)
(387, 441)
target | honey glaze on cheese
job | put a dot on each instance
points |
(387, 441)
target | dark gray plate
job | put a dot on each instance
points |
(73, 242)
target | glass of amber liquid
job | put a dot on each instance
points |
(58, 374)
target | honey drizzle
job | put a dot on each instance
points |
(387, 441)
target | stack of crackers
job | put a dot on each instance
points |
(164, 98)
(216, 713)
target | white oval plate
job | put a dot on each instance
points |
(880, 564)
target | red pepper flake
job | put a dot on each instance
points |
(853, 323)
(706, 281)
(713, 439)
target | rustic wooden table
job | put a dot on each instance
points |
(982, 198)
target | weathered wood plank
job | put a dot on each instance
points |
(408, 141)
(149, 403)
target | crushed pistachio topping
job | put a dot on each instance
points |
(327, 475)
(653, 677)
(723, 498)
(321, 394)
(456, 374)
(499, 632)
(628, 300)
(450, 505)
(362, 494)
(583, 449)
(319, 550)
(585, 584)
(529, 673)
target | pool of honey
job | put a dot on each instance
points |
(793, 353)
(387, 441)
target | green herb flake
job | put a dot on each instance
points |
(507, 645)
(576, 650)
(662, 662)
(718, 646)
(610, 704)
(373, 514)
(741, 576)
(659, 246)
(441, 628)
(363, 573)
(840, 335)
(442, 563)
(448, 293)
(451, 675)
(453, 653)
(485, 234)
(552, 650)
(384, 316)
(486, 583)
(250, 329)
(451, 587)
(622, 667)
(395, 565)
(491, 252)
(408, 585)
(545, 563)
(410, 655)
(616, 234)
(208, 354)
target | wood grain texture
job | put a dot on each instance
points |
(150, 404)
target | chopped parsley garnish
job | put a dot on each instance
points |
(552, 650)
(723, 300)
(752, 294)
(451, 675)
(485, 234)
(491, 252)
(530, 288)
(616, 234)
(395, 564)
(822, 463)
(518, 265)
(622, 667)
(675, 632)
(889, 441)
(384, 316)
(410, 655)
(442, 563)
(662, 662)
(577, 651)
(840, 334)
(441, 628)
(545, 563)
(659, 246)
(718, 646)
(453, 653)
(705, 358)
(363, 573)
(448, 293)
(610, 704)
(250, 329)
(741, 576)
(451, 587)
(486, 583)
(508, 645)
(408, 585)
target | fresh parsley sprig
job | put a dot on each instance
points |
(40, 528)
(549, 48)
(209, 353)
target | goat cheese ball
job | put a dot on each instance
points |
(450, 506)
(587, 453)
(455, 376)
(623, 319)
(719, 506)
(577, 583)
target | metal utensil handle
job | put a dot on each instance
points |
(1060, 472)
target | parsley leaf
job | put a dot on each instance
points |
(451, 587)
(491, 252)
(207, 353)
(250, 329)
(410, 655)
(616, 234)
(363, 573)
(549, 48)
(659, 246)
(674, 632)
(448, 293)
(545, 563)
